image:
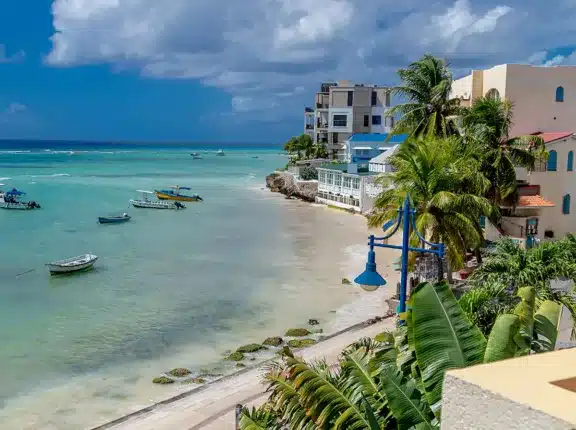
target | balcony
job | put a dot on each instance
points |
(309, 126)
(320, 124)
(321, 105)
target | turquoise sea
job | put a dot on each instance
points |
(171, 288)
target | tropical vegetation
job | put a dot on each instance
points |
(395, 380)
(508, 268)
(303, 147)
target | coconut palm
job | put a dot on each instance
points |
(487, 124)
(395, 380)
(303, 147)
(428, 110)
(442, 180)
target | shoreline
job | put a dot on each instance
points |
(383, 322)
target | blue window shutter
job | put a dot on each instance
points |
(570, 166)
(559, 94)
(552, 161)
(566, 204)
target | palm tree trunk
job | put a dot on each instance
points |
(440, 262)
(478, 255)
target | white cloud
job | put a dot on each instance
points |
(272, 54)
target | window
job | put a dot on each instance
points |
(330, 178)
(340, 120)
(338, 179)
(356, 183)
(334, 137)
(570, 163)
(493, 94)
(350, 98)
(366, 120)
(347, 182)
(321, 176)
(560, 94)
(566, 204)
(388, 102)
(376, 120)
(552, 160)
(374, 98)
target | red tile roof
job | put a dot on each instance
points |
(552, 136)
(534, 202)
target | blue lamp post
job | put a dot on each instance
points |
(370, 279)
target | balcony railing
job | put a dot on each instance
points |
(321, 105)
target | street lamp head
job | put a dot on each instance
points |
(370, 280)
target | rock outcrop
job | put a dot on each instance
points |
(284, 183)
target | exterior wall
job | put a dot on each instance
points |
(340, 111)
(523, 393)
(370, 191)
(554, 186)
(339, 97)
(462, 88)
(533, 92)
(339, 189)
(382, 112)
(358, 119)
(495, 78)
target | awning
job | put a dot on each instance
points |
(534, 202)
(362, 147)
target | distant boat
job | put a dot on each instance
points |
(11, 200)
(174, 194)
(114, 219)
(196, 156)
(145, 202)
(74, 264)
(220, 153)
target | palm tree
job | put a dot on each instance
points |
(428, 110)
(304, 147)
(487, 125)
(395, 380)
(509, 268)
(442, 180)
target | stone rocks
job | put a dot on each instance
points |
(240, 365)
(163, 380)
(313, 321)
(346, 281)
(252, 347)
(273, 341)
(284, 183)
(235, 356)
(301, 343)
(297, 332)
(179, 372)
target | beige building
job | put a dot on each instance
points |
(544, 101)
(342, 109)
(544, 97)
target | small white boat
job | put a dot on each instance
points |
(196, 156)
(145, 202)
(220, 153)
(74, 264)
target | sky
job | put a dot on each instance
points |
(229, 70)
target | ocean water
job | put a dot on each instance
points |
(171, 288)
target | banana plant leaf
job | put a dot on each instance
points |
(546, 323)
(502, 340)
(444, 338)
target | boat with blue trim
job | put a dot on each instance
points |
(115, 219)
(11, 200)
(174, 194)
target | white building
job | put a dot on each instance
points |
(347, 187)
(360, 148)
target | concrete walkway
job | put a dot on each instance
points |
(212, 407)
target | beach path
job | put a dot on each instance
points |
(213, 407)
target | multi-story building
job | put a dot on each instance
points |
(544, 98)
(342, 109)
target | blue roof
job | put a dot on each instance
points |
(377, 137)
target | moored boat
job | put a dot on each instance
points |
(114, 219)
(196, 156)
(145, 202)
(220, 153)
(11, 200)
(74, 264)
(174, 194)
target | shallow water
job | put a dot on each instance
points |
(171, 288)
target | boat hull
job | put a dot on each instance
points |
(64, 266)
(153, 205)
(113, 220)
(15, 206)
(177, 197)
